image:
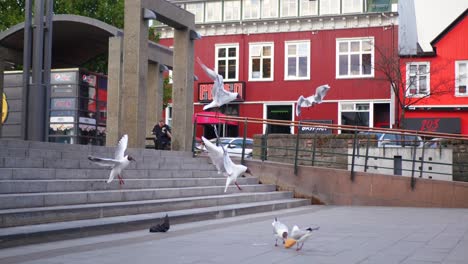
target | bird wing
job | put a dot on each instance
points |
(224, 97)
(215, 153)
(121, 147)
(114, 172)
(298, 105)
(104, 161)
(212, 74)
(320, 93)
(228, 164)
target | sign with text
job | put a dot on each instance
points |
(306, 129)
(205, 96)
(442, 125)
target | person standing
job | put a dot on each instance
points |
(163, 135)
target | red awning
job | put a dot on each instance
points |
(210, 118)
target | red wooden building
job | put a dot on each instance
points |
(274, 55)
(436, 82)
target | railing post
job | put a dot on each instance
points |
(243, 142)
(367, 153)
(354, 155)
(422, 161)
(314, 147)
(264, 148)
(413, 180)
(297, 148)
(194, 137)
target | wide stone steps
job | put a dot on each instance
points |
(62, 185)
(51, 191)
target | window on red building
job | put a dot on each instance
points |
(227, 61)
(270, 8)
(251, 9)
(261, 62)
(417, 78)
(355, 58)
(232, 10)
(308, 8)
(198, 9)
(297, 60)
(461, 78)
(288, 8)
(213, 11)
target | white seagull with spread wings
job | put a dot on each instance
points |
(220, 96)
(312, 100)
(118, 163)
(301, 235)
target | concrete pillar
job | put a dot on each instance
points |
(182, 91)
(114, 86)
(154, 96)
(135, 69)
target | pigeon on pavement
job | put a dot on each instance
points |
(312, 100)
(118, 163)
(280, 231)
(220, 96)
(301, 235)
(162, 227)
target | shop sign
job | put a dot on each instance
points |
(63, 77)
(306, 129)
(63, 103)
(205, 96)
(441, 125)
(62, 119)
(86, 120)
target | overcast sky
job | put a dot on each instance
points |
(433, 16)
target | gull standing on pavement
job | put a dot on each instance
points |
(280, 231)
(118, 163)
(301, 235)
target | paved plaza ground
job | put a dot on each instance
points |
(347, 235)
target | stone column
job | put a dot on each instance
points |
(114, 119)
(135, 69)
(182, 91)
(154, 96)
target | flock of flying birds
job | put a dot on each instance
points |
(219, 156)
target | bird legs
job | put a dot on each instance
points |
(240, 189)
(121, 181)
(299, 247)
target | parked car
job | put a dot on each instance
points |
(396, 140)
(234, 146)
(436, 143)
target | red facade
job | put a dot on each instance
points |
(445, 109)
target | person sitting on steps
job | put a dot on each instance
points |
(163, 135)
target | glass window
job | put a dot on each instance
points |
(232, 10)
(261, 61)
(269, 8)
(461, 78)
(251, 9)
(355, 58)
(213, 11)
(329, 7)
(417, 78)
(197, 9)
(226, 61)
(352, 6)
(308, 8)
(288, 8)
(356, 114)
(298, 60)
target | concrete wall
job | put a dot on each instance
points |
(437, 163)
(334, 187)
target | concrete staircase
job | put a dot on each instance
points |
(50, 191)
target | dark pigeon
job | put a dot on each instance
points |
(163, 227)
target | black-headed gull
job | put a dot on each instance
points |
(215, 153)
(220, 96)
(118, 163)
(280, 231)
(312, 100)
(301, 235)
(232, 170)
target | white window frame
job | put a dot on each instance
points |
(350, 53)
(310, 10)
(351, 6)
(291, 7)
(354, 103)
(198, 9)
(250, 9)
(272, 57)
(269, 8)
(287, 56)
(418, 75)
(213, 11)
(232, 10)
(227, 58)
(329, 7)
(457, 78)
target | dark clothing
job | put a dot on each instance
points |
(162, 134)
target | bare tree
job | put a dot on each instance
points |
(420, 80)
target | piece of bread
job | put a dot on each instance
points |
(289, 243)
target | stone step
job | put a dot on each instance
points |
(23, 235)
(38, 186)
(41, 215)
(27, 200)
(102, 173)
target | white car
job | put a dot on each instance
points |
(234, 146)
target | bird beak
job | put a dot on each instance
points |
(248, 171)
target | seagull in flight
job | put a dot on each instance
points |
(216, 154)
(312, 100)
(118, 163)
(301, 235)
(220, 96)
(280, 231)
